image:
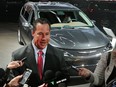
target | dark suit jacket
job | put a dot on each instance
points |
(54, 61)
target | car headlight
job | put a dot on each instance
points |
(108, 47)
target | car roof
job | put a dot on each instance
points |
(51, 5)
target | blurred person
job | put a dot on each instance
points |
(4, 73)
(51, 57)
(104, 72)
(67, 19)
(14, 82)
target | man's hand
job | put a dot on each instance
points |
(84, 72)
(14, 82)
(14, 64)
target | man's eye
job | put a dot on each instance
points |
(47, 33)
(39, 33)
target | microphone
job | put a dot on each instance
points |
(59, 77)
(60, 81)
(48, 77)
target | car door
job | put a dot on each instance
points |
(25, 25)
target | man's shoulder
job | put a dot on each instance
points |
(22, 50)
(55, 50)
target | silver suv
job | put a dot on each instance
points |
(71, 30)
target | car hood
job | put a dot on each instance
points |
(80, 38)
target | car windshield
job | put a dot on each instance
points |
(63, 19)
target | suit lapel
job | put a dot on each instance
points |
(31, 62)
(48, 58)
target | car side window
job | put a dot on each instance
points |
(32, 18)
(25, 13)
(50, 16)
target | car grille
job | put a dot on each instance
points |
(82, 53)
(79, 58)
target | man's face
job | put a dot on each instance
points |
(41, 35)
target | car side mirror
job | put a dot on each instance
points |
(26, 25)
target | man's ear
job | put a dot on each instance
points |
(32, 32)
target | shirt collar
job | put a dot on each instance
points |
(37, 50)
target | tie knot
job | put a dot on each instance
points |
(40, 52)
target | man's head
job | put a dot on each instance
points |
(41, 33)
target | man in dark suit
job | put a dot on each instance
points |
(52, 58)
